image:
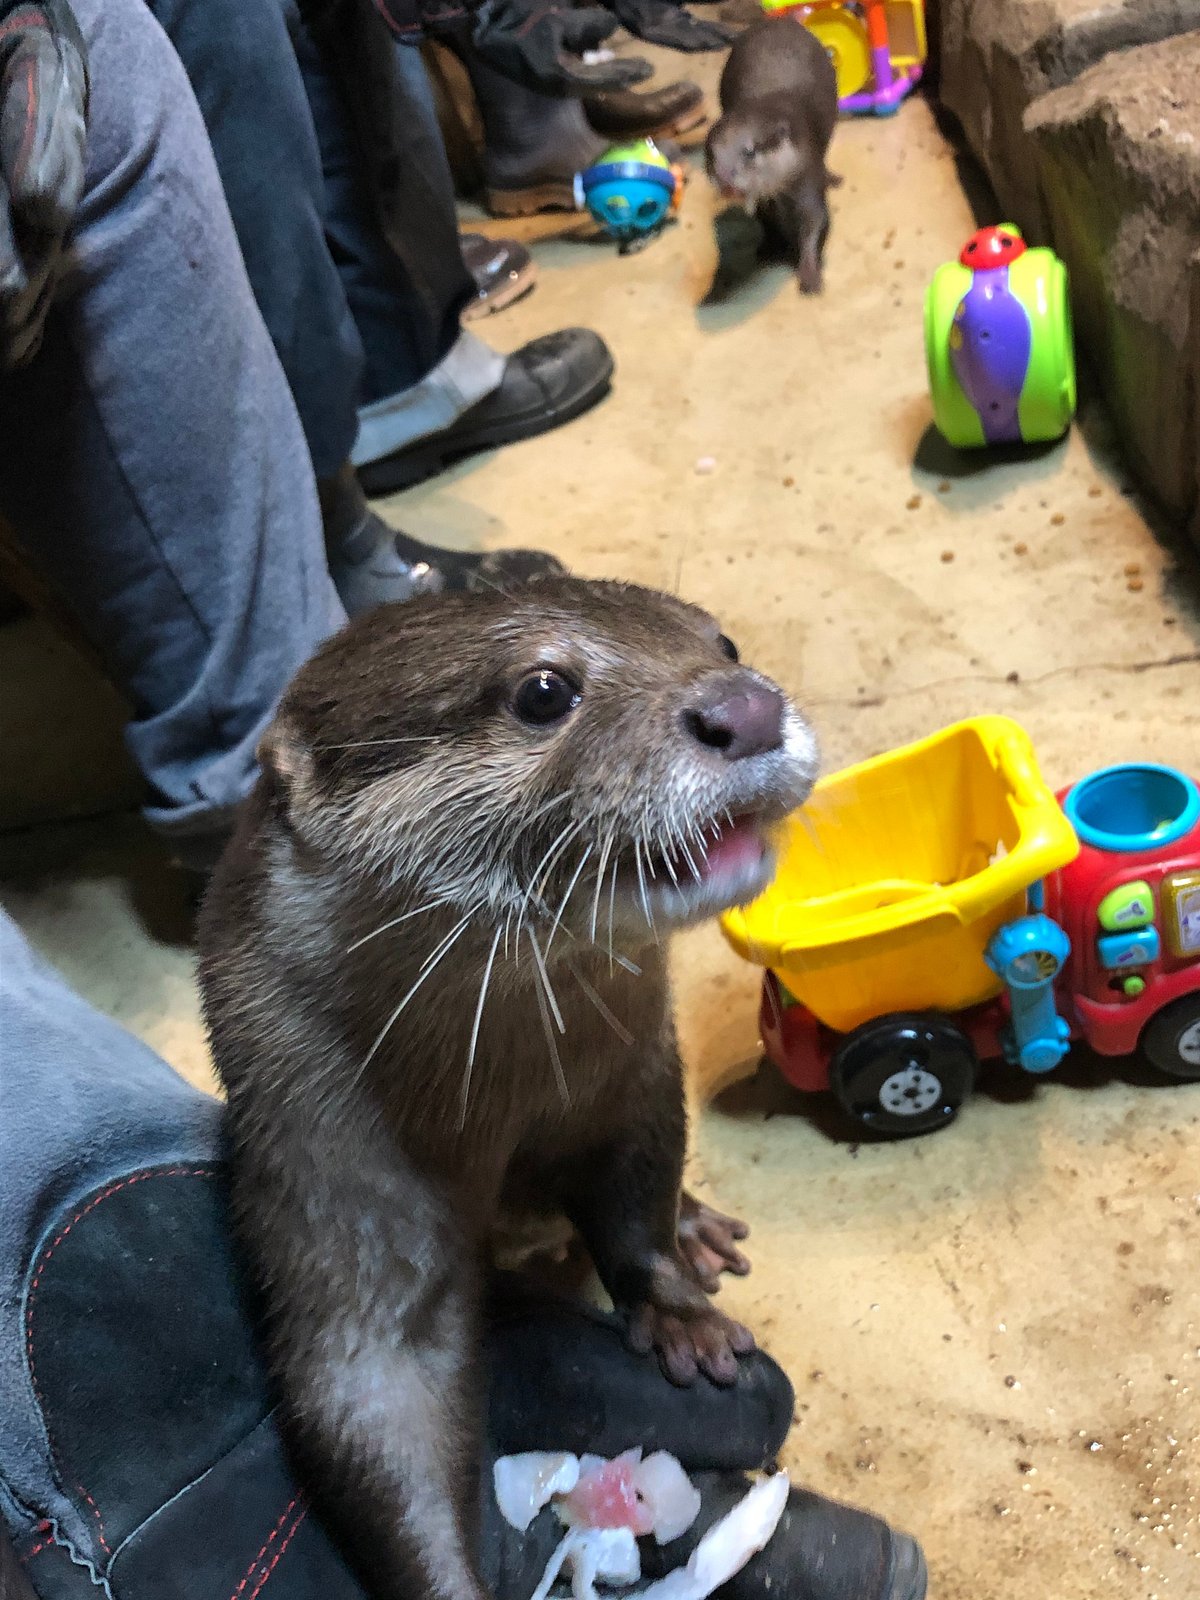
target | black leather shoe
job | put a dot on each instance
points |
(546, 383)
(503, 270)
(658, 114)
(372, 563)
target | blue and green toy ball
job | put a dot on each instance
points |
(629, 191)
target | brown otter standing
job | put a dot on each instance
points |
(779, 105)
(434, 972)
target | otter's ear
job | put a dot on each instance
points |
(286, 761)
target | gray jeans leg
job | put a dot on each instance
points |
(153, 462)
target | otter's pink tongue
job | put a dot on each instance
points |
(737, 845)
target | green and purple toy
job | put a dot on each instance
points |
(998, 343)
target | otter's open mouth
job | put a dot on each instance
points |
(724, 864)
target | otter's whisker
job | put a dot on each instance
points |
(483, 989)
(630, 966)
(670, 865)
(562, 906)
(562, 839)
(545, 977)
(551, 1044)
(431, 962)
(604, 855)
(618, 1027)
(542, 810)
(612, 895)
(687, 854)
(647, 833)
(432, 905)
(359, 744)
(641, 875)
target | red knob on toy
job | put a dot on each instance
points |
(992, 247)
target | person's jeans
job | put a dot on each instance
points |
(351, 327)
(140, 1456)
(151, 458)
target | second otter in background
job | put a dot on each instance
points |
(779, 105)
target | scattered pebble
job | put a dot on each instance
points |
(947, 555)
(1134, 584)
(944, 486)
(1012, 677)
(913, 501)
(1057, 520)
(898, 266)
(1012, 1383)
(1095, 492)
(1133, 569)
(706, 464)
(789, 483)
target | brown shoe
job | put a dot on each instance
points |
(658, 114)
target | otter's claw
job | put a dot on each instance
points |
(708, 1342)
(707, 1242)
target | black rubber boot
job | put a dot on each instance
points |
(372, 563)
(534, 144)
(821, 1550)
(594, 1395)
(546, 382)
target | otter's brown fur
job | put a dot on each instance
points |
(433, 965)
(779, 107)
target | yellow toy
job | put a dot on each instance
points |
(898, 871)
(877, 47)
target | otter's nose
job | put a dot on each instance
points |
(739, 723)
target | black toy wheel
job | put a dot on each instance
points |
(904, 1074)
(1171, 1040)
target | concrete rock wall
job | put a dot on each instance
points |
(1118, 163)
(1086, 116)
(998, 56)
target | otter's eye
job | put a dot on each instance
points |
(544, 697)
(728, 647)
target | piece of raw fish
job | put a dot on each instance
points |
(669, 1495)
(728, 1544)
(526, 1483)
(607, 1555)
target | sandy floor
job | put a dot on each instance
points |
(995, 1333)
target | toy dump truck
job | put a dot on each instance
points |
(939, 905)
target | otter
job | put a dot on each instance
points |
(779, 105)
(433, 964)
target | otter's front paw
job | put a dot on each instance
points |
(708, 1242)
(688, 1343)
(809, 276)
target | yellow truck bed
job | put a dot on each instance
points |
(894, 876)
